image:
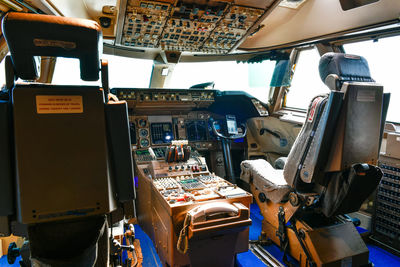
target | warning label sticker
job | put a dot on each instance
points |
(54, 104)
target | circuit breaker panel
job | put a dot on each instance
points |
(387, 204)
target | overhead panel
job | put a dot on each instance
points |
(193, 26)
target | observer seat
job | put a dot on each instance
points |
(67, 147)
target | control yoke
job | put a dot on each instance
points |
(232, 134)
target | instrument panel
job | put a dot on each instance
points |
(194, 126)
(159, 116)
(172, 96)
(184, 25)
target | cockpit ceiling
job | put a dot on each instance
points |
(143, 28)
(316, 19)
(150, 26)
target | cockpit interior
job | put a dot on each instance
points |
(199, 133)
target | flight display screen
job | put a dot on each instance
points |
(161, 133)
(196, 130)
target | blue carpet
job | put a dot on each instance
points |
(248, 259)
(3, 262)
(378, 256)
(150, 257)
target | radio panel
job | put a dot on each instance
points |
(178, 188)
(189, 182)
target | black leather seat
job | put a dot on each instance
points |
(68, 148)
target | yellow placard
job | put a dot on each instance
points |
(55, 104)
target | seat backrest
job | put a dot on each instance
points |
(61, 156)
(64, 139)
(342, 128)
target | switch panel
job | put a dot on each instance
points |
(204, 26)
(144, 23)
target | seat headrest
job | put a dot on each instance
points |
(337, 68)
(30, 35)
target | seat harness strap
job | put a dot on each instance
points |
(282, 235)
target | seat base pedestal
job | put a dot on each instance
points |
(328, 245)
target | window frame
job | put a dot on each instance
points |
(296, 55)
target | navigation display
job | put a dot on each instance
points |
(196, 130)
(161, 133)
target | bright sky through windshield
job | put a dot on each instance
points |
(383, 58)
(227, 75)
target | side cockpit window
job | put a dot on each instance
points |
(306, 82)
(383, 57)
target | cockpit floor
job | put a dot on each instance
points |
(378, 256)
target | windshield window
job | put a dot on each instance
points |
(383, 57)
(122, 72)
(227, 76)
(306, 83)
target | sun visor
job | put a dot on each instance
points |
(282, 73)
(30, 35)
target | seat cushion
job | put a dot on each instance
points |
(267, 179)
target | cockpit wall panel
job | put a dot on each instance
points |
(270, 138)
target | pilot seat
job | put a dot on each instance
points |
(329, 172)
(66, 163)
